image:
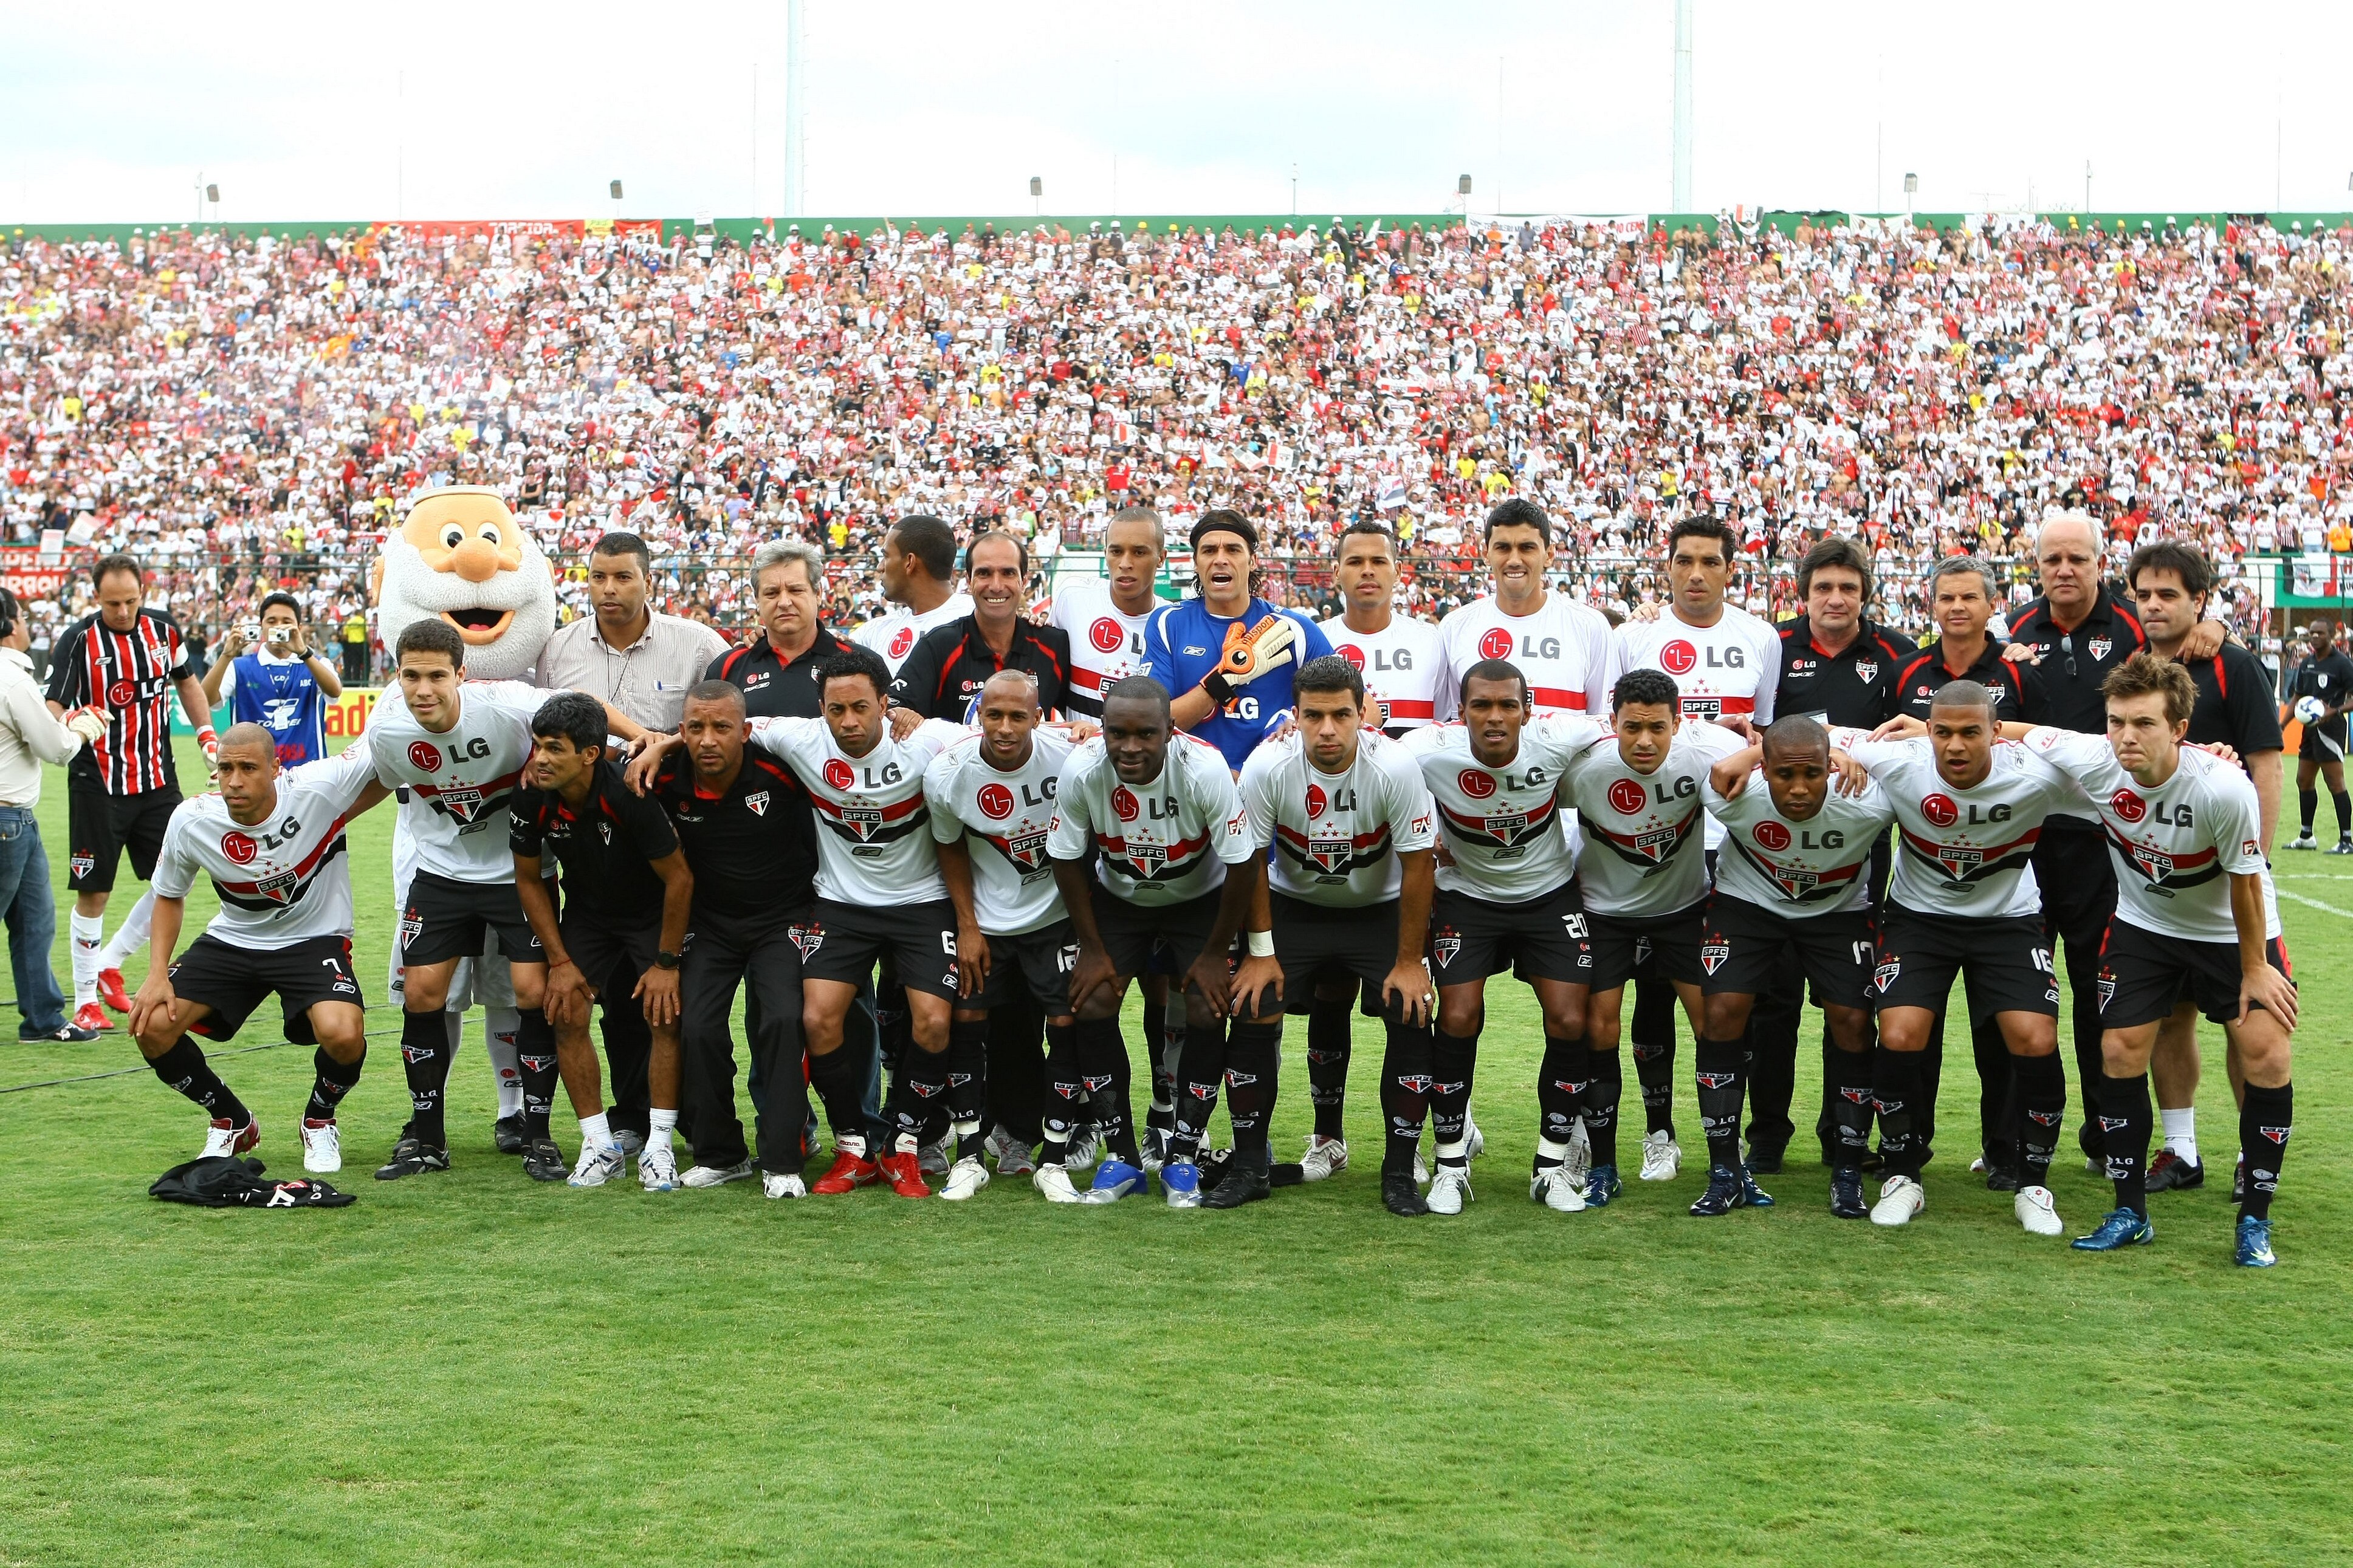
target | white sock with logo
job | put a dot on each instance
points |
(89, 931)
(501, 1027)
(595, 1132)
(131, 935)
(2181, 1132)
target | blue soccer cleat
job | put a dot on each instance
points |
(1115, 1179)
(1602, 1184)
(2255, 1249)
(1180, 1179)
(2118, 1229)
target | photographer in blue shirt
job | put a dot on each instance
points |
(275, 678)
(1226, 657)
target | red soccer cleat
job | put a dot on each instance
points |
(92, 1016)
(904, 1171)
(110, 991)
(850, 1170)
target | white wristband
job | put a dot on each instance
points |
(1261, 944)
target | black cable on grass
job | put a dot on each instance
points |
(143, 1066)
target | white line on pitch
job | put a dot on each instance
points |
(2316, 903)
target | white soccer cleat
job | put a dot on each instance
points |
(776, 1185)
(1579, 1162)
(1899, 1200)
(1055, 1182)
(1450, 1189)
(701, 1176)
(967, 1177)
(1325, 1158)
(1663, 1158)
(221, 1140)
(598, 1166)
(657, 1169)
(2037, 1211)
(322, 1148)
(1557, 1190)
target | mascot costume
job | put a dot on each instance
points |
(460, 554)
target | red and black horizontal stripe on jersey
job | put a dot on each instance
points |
(468, 802)
(1819, 887)
(1503, 831)
(1362, 850)
(871, 824)
(1022, 861)
(1974, 864)
(284, 890)
(1150, 862)
(1645, 847)
(2162, 868)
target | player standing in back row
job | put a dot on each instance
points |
(1226, 657)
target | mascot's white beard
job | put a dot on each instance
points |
(413, 591)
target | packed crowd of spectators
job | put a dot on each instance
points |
(246, 413)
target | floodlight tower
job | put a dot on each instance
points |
(1682, 190)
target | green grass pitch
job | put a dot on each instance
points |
(474, 1369)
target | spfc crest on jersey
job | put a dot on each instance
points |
(807, 936)
(1885, 976)
(1026, 850)
(282, 889)
(1712, 954)
(757, 805)
(2100, 647)
(862, 820)
(1960, 862)
(1866, 671)
(465, 804)
(2154, 863)
(1329, 854)
(1444, 944)
(1656, 844)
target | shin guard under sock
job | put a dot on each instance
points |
(334, 1080)
(2264, 1122)
(1850, 1086)
(1253, 1058)
(2125, 1125)
(1405, 1084)
(840, 1078)
(1717, 1069)
(1896, 1099)
(1605, 1086)
(424, 1059)
(183, 1067)
(535, 1068)
(1198, 1075)
(2041, 1085)
(967, 1097)
(1328, 1043)
(1453, 1059)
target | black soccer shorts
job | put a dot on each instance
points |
(234, 981)
(1646, 947)
(843, 942)
(1746, 946)
(101, 827)
(1546, 938)
(2144, 974)
(1130, 931)
(2005, 960)
(1314, 941)
(447, 919)
(1036, 963)
(612, 953)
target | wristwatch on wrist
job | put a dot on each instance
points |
(665, 958)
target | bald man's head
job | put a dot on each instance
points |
(249, 735)
(1794, 735)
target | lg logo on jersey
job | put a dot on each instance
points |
(1941, 811)
(1774, 836)
(1106, 635)
(241, 847)
(1317, 804)
(426, 757)
(1497, 644)
(1679, 657)
(841, 775)
(1629, 797)
(1383, 660)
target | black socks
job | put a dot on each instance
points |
(840, 1079)
(1066, 1086)
(967, 1065)
(1718, 1067)
(2125, 1124)
(1253, 1057)
(2041, 1085)
(1199, 1072)
(1328, 1024)
(920, 1088)
(1848, 1075)
(1896, 1093)
(1406, 1083)
(333, 1081)
(424, 1059)
(1605, 1086)
(2264, 1122)
(535, 1064)
(183, 1067)
(1453, 1060)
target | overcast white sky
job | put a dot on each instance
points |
(483, 109)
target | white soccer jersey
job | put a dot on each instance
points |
(872, 848)
(283, 880)
(1402, 667)
(1564, 650)
(1106, 643)
(1003, 817)
(1156, 843)
(2176, 846)
(894, 636)
(1728, 670)
(459, 779)
(1799, 869)
(1960, 852)
(1643, 845)
(1498, 821)
(1337, 837)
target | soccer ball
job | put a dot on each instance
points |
(2309, 709)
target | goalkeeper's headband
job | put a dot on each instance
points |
(1227, 524)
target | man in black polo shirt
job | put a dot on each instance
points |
(2170, 582)
(627, 893)
(743, 820)
(1961, 601)
(1837, 667)
(942, 676)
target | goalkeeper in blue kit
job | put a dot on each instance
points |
(1226, 659)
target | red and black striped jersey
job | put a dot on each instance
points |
(131, 674)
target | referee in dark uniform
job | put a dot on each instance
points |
(2170, 580)
(124, 662)
(942, 678)
(2326, 676)
(1837, 667)
(1961, 600)
(2074, 634)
